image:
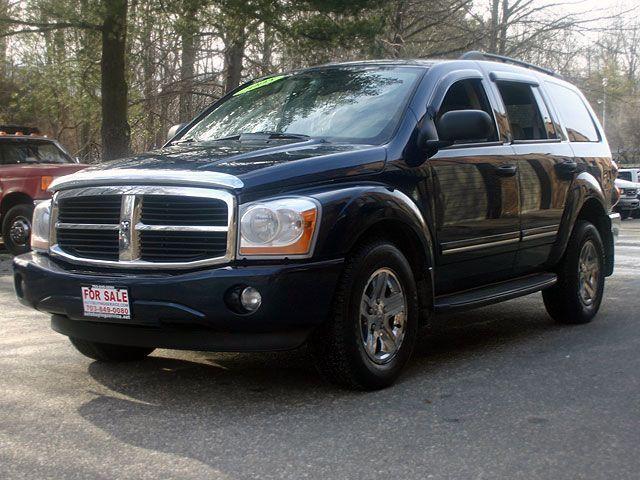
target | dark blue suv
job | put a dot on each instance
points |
(344, 206)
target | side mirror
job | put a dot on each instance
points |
(465, 126)
(173, 130)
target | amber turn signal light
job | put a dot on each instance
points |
(45, 181)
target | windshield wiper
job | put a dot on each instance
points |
(263, 135)
(182, 141)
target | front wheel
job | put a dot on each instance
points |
(624, 214)
(16, 229)
(375, 322)
(106, 352)
(577, 296)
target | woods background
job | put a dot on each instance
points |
(109, 77)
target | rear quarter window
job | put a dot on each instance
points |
(574, 113)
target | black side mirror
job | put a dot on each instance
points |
(173, 130)
(464, 126)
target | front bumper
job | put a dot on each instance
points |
(185, 310)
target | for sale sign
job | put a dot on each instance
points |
(105, 301)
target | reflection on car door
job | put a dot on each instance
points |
(475, 201)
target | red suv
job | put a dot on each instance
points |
(28, 164)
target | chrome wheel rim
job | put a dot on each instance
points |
(589, 273)
(20, 231)
(383, 314)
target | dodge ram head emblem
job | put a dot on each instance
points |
(123, 234)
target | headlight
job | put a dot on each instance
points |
(283, 227)
(40, 226)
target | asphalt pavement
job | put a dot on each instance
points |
(502, 393)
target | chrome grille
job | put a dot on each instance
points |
(154, 227)
(176, 210)
(181, 246)
(96, 244)
(102, 209)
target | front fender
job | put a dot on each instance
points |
(348, 212)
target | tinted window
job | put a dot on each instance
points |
(625, 176)
(527, 114)
(467, 95)
(350, 104)
(31, 152)
(574, 113)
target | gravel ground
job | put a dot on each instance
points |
(503, 393)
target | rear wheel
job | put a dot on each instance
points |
(577, 296)
(373, 330)
(16, 229)
(105, 352)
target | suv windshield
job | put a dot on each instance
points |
(31, 151)
(624, 176)
(355, 104)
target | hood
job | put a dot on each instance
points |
(259, 164)
(620, 183)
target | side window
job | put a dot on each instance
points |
(574, 113)
(10, 154)
(528, 116)
(467, 95)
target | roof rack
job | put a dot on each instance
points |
(476, 55)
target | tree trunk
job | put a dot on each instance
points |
(267, 50)
(148, 71)
(116, 133)
(504, 26)
(495, 20)
(397, 40)
(233, 56)
(187, 71)
(4, 5)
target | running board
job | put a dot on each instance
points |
(497, 292)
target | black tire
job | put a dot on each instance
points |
(338, 347)
(565, 301)
(624, 214)
(16, 228)
(105, 352)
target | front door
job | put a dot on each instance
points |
(476, 201)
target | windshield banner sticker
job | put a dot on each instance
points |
(260, 84)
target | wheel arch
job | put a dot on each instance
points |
(12, 199)
(593, 211)
(356, 215)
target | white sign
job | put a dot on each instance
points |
(105, 301)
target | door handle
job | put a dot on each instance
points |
(567, 167)
(505, 170)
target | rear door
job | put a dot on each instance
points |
(476, 198)
(546, 165)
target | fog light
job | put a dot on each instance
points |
(250, 299)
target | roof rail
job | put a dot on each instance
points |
(476, 55)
